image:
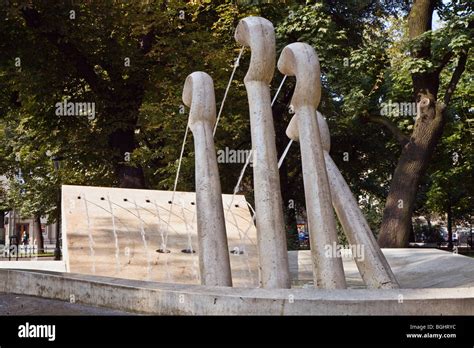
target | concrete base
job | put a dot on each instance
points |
(182, 299)
(435, 283)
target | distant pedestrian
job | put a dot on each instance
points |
(25, 238)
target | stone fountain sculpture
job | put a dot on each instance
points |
(373, 267)
(127, 223)
(311, 129)
(258, 34)
(214, 262)
(324, 185)
(300, 60)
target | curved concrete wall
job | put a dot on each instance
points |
(179, 299)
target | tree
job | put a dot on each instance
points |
(352, 53)
(372, 55)
(429, 57)
(451, 189)
(97, 53)
(131, 60)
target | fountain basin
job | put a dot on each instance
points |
(186, 299)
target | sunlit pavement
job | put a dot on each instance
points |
(11, 304)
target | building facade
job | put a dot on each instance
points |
(16, 226)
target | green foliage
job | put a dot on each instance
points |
(363, 49)
(427, 234)
(451, 181)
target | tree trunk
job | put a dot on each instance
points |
(416, 154)
(38, 233)
(129, 95)
(412, 165)
(123, 142)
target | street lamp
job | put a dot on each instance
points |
(57, 251)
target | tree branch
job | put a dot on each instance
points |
(79, 60)
(401, 137)
(455, 77)
(447, 57)
(419, 22)
(147, 41)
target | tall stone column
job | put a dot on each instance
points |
(214, 260)
(300, 60)
(258, 34)
(372, 264)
